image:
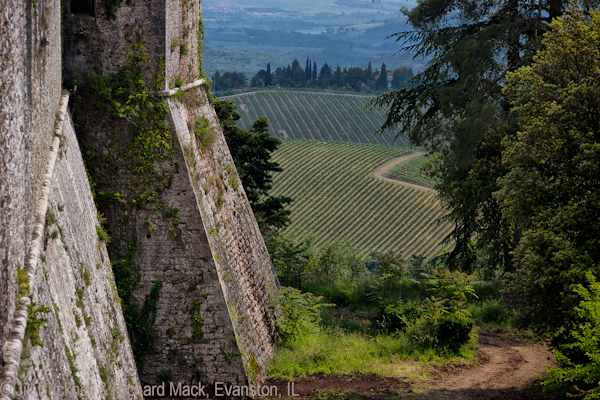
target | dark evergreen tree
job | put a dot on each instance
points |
(338, 79)
(382, 81)
(299, 77)
(307, 70)
(324, 79)
(268, 76)
(314, 73)
(258, 80)
(232, 80)
(401, 75)
(456, 108)
(280, 76)
(295, 64)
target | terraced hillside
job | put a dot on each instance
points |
(314, 116)
(410, 171)
(337, 197)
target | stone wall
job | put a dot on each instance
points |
(239, 253)
(83, 344)
(168, 29)
(30, 90)
(195, 340)
(193, 235)
(197, 237)
(78, 334)
(93, 43)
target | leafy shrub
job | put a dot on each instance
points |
(299, 315)
(453, 329)
(452, 287)
(394, 276)
(441, 329)
(488, 289)
(490, 312)
(587, 341)
(444, 321)
(398, 316)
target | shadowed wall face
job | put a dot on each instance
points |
(200, 269)
(203, 281)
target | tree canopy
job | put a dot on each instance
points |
(552, 187)
(457, 109)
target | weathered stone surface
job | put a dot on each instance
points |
(168, 29)
(240, 256)
(214, 320)
(85, 338)
(30, 90)
(212, 262)
(30, 84)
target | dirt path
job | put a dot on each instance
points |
(504, 369)
(382, 171)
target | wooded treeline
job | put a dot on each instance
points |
(294, 76)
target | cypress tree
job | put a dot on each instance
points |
(307, 72)
(216, 81)
(382, 82)
(268, 76)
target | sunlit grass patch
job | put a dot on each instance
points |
(334, 351)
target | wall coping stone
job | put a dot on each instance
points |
(187, 86)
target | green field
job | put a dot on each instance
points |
(411, 171)
(336, 197)
(314, 116)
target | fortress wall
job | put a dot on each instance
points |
(213, 319)
(85, 344)
(30, 90)
(183, 29)
(199, 238)
(169, 29)
(93, 43)
(195, 340)
(239, 253)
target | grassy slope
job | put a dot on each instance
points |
(336, 197)
(314, 116)
(411, 171)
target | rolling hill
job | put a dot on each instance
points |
(314, 116)
(337, 196)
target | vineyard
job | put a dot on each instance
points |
(337, 197)
(411, 171)
(314, 116)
